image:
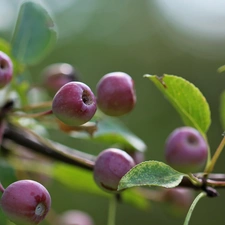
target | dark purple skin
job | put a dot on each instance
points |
(116, 94)
(110, 166)
(6, 69)
(25, 202)
(58, 74)
(74, 104)
(74, 217)
(186, 150)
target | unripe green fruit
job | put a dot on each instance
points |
(74, 104)
(110, 166)
(6, 69)
(25, 202)
(115, 94)
(186, 150)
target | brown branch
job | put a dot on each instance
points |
(74, 157)
(48, 148)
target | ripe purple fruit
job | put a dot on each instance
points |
(115, 94)
(74, 104)
(186, 150)
(110, 166)
(58, 74)
(25, 202)
(6, 69)
(74, 217)
(179, 200)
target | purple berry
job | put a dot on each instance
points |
(25, 202)
(74, 104)
(58, 74)
(179, 200)
(186, 150)
(110, 166)
(6, 69)
(115, 94)
(74, 217)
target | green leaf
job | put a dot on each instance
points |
(151, 173)
(112, 131)
(82, 180)
(6, 48)
(221, 69)
(222, 109)
(34, 34)
(187, 100)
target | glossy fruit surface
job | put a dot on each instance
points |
(110, 166)
(6, 69)
(74, 104)
(25, 202)
(116, 94)
(186, 150)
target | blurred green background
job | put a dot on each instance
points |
(184, 38)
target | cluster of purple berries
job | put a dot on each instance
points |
(75, 104)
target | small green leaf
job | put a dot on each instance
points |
(112, 131)
(6, 48)
(34, 33)
(187, 100)
(221, 69)
(151, 173)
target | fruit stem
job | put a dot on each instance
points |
(35, 106)
(188, 217)
(112, 211)
(194, 179)
(35, 115)
(216, 155)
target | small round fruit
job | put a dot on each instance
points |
(58, 74)
(179, 200)
(25, 202)
(110, 166)
(116, 94)
(74, 104)
(74, 217)
(6, 69)
(186, 150)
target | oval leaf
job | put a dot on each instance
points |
(112, 131)
(34, 33)
(187, 100)
(151, 173)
